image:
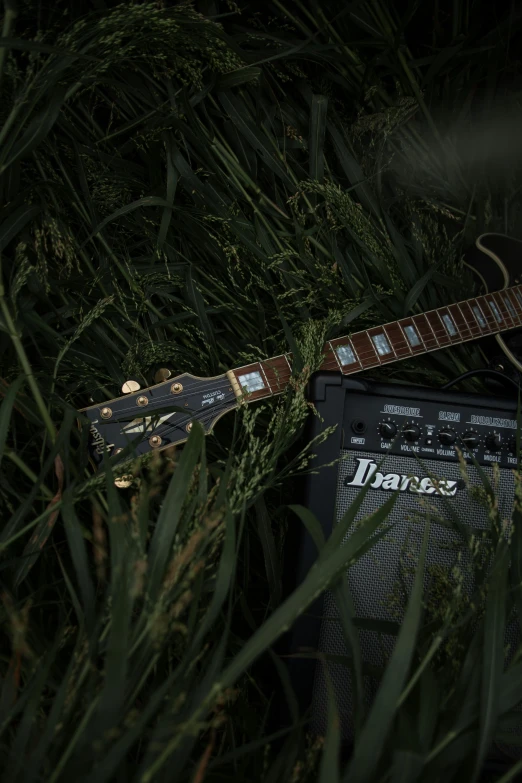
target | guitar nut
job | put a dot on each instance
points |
(176, 388)
(142, 401)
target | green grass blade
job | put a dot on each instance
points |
(224, 581)
(236, 78)
(317, 135)
(270, 553)
(346, 608)
(373, 735)
(493, 654)
(172, 182)
(326, 569)
(16, 222)
(510, 688)
(37, 130)
(78, 551)
(145, 201)
(6, 409)
(19, 747)
(407, 767)
(329, 769)
(170, 514)
(238, 115)
(511, 774)
(198, 303)
(311, 524)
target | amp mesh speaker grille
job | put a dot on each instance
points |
(374, 578)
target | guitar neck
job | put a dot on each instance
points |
(457, 323)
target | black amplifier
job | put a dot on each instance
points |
(413, 431)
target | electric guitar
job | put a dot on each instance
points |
(162, 415)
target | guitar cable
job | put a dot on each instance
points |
(483, 371)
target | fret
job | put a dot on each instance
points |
(346, 355)
(480, 316)
(470, 318)
(506, 316)
(381, 344)
(460, 322)
(412, 336)
(489, 315)
(429, 335)
(390, 341)
(276, 373)
(398, 340)
(267, 382)
(449, 325)
(498, 315)
(356, 354)
(250, 378)
(438, 328)
(517, 306)
(517, 293)
(365, 350)
(333, 353)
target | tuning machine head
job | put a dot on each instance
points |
(130, 386)
(157, 417)
(162, 374)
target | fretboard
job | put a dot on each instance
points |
(457, 323)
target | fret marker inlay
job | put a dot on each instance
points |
(450, 326)
(510, 307)
(479, 317)
(345, 354)
(495, 310)
(519, 297)
(381, 344)
(252, 381)
(411, 334)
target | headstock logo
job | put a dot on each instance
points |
(98, 441)
(211, 397)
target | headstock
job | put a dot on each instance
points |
(162, 415)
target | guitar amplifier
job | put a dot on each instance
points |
(397, 424)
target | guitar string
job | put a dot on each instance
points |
(332, 364)
(164, 427)
(283, 378)
(363, 356)
(179, 423)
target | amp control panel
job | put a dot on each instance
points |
(433, 428)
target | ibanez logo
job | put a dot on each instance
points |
(366, 471)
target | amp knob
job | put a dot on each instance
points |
(512, 445)
(471, 439)
(493, 441)
(411, 432)
(387, 429)
(447, 437)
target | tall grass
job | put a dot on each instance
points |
(192, 187)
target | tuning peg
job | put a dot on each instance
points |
(123, 482)
(130, 386)
(163, 374)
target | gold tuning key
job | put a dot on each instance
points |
(162, 374)
(130, 386)
(123, 482)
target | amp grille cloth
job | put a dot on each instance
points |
(373, 577)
